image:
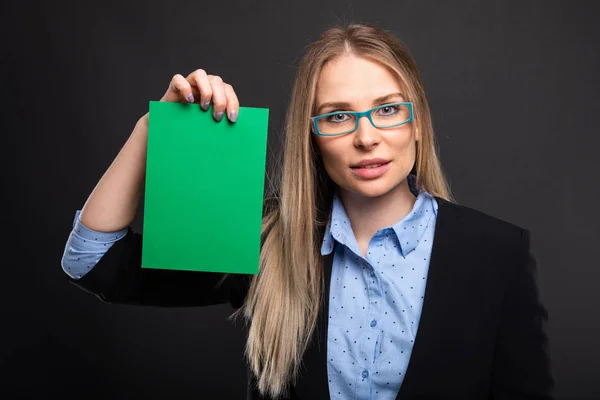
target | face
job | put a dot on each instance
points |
(357, 82)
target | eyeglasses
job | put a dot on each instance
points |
(343, 122)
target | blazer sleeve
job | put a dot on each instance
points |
(119, 278)
(522, 367)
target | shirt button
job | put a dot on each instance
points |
(365, 373)
(372, 273)
(373, 323)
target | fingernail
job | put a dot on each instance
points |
(205, 105)
(190, 98)
(233, 116)
(219, 116)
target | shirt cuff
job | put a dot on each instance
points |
(82, 234)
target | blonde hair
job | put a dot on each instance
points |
(284, 298)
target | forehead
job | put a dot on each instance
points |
(354, 79)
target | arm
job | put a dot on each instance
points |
(521, 367)
(110, 267)
(117, 276)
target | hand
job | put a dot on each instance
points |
(203, 89)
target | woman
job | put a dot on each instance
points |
(361, 250)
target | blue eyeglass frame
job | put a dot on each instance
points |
(358, 115)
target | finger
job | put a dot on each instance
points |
(219, 99)
(233, 104)
(179, 90)
(199, 79)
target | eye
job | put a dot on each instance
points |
(337, 118)
(389, 110)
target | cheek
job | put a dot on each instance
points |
(331, 160)
(405, 143)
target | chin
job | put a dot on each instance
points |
(371, 189)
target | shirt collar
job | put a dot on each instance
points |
(408, 231)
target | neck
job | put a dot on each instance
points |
(369, 214)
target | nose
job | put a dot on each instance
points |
(366, 135)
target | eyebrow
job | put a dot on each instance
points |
(344, 105)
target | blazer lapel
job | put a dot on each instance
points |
(435, 319)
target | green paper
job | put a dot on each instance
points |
(204, 189)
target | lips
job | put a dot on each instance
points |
(370, 163)
(371, 166)
(371, 171)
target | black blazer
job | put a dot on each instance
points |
(482, 329)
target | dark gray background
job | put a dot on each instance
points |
(513, 88)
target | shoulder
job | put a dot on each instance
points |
(481, 244)
(477, 227)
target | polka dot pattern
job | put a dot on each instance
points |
(375, 302)
(85, 247)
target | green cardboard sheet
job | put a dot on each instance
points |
(204, 189)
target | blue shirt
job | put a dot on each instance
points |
(85, 247)
(375, 302)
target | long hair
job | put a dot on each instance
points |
(285, 296)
